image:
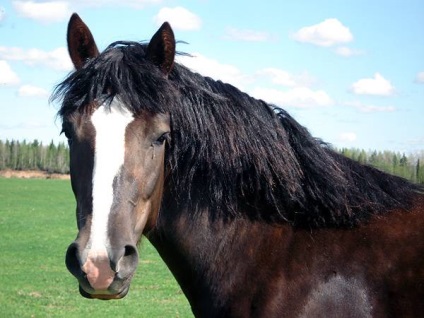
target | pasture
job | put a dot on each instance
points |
(37, 223)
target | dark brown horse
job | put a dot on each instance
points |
(253, 216)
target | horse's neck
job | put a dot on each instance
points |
(215, 261)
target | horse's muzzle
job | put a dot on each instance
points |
(102, 273)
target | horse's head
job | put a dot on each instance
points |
(117, 166)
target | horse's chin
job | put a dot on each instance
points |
(104, 296)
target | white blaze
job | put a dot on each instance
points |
(110, 124)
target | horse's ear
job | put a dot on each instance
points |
(161, 49)
(81, 45)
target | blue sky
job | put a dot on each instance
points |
(352, 72)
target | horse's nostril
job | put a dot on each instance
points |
(130, 250)
(128, 262)
(72, 260)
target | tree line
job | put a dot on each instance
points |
(23, 155)
(410, 166)
(54, 158)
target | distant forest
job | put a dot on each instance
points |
(54, 158)
(408, 166)
(23, 155)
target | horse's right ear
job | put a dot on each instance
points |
(81, 45)
(161, 49)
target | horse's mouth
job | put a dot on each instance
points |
(104, 296)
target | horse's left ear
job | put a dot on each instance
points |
(161, 49)
(81, 44)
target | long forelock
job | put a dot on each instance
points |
(121, 70)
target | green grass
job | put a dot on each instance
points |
(37, 223)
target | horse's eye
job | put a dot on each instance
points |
(165, 137)
(67, 131)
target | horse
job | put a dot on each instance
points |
(253, 215)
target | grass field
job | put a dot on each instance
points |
(37, 223)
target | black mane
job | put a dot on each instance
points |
(232, 152)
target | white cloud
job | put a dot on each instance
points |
(45, 12)
(301, 97)
(213, 68)
(418, 141)
(297, 96)
(7, 75)
(373, 86)
(122, 3)
(420, 78)
(348, 52)
(30, 124)
(2, 14)
(57, 59)
(284, 78)
(246, 35)
(347, 137)
(179, 18)
(371, 108)
(327, 33)
(56, 11)
(279, 77)
(32, 91)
